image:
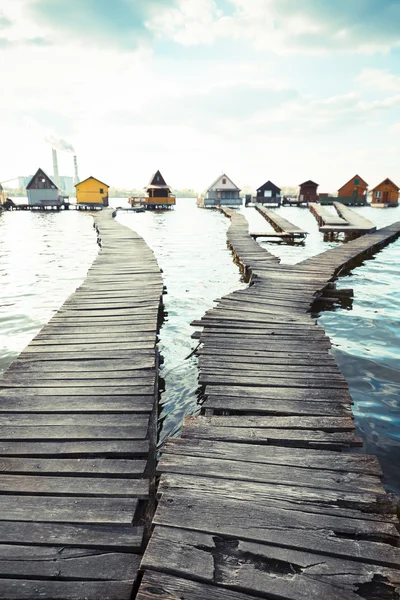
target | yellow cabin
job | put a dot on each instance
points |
(92, 192)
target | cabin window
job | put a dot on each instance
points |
(356, 181)
(267, 194)
(158, 178)
(224, 180)
(378, 194)
(101, 191)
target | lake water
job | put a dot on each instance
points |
(45, 256)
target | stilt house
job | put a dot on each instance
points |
(308, 191)
(158, 193)
(42, 191)
(223, 192)
(269, 193)
(386, 193)
(92, 192)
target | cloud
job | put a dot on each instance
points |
(286, 26)
(121, 23)
(4, 21)
(379, 79)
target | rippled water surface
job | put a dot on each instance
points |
(190, 245)
(45, 256)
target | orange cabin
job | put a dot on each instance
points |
(355, 188)
(387, 193)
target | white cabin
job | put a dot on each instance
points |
(223, 192)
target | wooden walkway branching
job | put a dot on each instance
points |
(78, 412)
(256, 498)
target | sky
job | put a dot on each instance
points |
(286, 90)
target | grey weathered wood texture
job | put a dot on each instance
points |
(256, 498)
(78, 412)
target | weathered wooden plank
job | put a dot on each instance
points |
(74, 486)
(93, 466)
(26, 589)
(284, 437)
(75, 404)
(274, 407)
(239, 470)
(35, 382)
(158, 586)
(50, 562)
(260, 568)
(285, 393)
(275, 455)
(67, 509)
(110, 537)
(72, 432)
(321, 501)
(75, 449)
(272, 422)
(140, 361)
(128, 390)
(329, 535)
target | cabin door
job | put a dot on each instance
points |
(385, 197)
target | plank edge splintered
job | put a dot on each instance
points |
(78, 414)
(256, 497)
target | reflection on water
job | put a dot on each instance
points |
(44, 257)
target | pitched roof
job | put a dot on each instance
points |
(157, 180)
(41, 172)
(386, 181)
(268, 184)
(309, 182)
(220, 177)
(362, 181)
(91, 177)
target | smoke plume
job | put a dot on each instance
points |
(59, 143)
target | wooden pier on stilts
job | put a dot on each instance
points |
(257, 499)
(78, 427)
(284, 230)
(347, 221)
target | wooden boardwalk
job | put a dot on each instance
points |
(78, 417)
(283, 227)
(346, 221)
(256, 498)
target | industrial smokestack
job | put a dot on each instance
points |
(76, 176)
(56, 176)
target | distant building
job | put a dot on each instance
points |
(223, 192)
(92, 192)
(42, 191)
(386, 193)
(23, 181)
(308, 191)
(269, 193)
(67, 184)
(354, 189)
(158, 193)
